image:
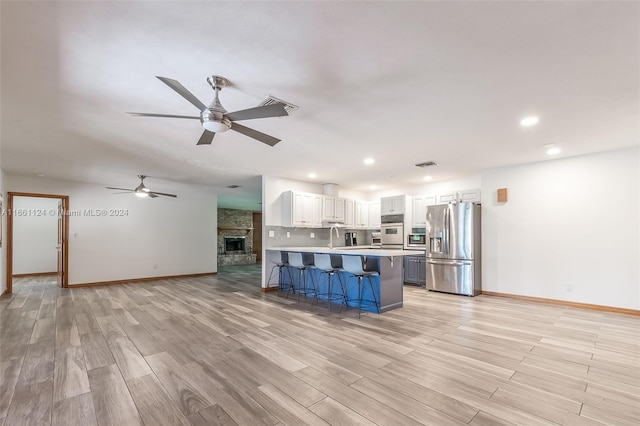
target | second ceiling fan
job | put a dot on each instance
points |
(216, 119)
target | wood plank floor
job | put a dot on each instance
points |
(217, 350)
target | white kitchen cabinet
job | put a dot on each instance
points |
(362, 214)
(392, 205)
(333, 209)
(466, 195)
(301, 209)
(471, 195)
(419, 209)
(350, 213)
(449, 197)
(374, 214)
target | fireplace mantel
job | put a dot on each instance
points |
(235, 228)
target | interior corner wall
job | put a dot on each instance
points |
(3, 234)
(138, 238)
(569, 230)
(35, 235)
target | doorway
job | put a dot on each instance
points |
(62, 246)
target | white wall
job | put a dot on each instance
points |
(570, 230)
(35, 235)
(157, 237)
(432, 188)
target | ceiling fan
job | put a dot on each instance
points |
(142, 191)
(215, 118)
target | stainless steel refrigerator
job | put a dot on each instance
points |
(453, 248)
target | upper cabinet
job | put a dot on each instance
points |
(349, 213)
(362, 214)
(449, 197)
(333, 209)
(392, 205)
(302, 209)
(374, 214)
(466, 195)
(471, 195)
(419, 210)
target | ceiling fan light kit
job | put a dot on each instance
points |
(142, 191)
(216, 119)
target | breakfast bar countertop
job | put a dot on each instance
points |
(353, 250)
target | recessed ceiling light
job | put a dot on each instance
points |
(369, 161)
(553, 151)
(312, 175)
(373, 187)
(40, 175)
(427, 178)
(529, 121)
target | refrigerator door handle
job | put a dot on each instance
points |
(447, 228)
(448, 262)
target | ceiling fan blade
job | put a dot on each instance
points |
(151, 195)
(275, 110)
(127, 192)
(206, 138)
(144, 114)
(262, 137)
(183, 92)
(119, 189)
(154, 194)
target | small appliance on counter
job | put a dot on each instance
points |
(376, 238)
(350, 239)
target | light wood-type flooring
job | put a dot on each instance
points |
(215, 350)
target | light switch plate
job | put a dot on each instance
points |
(288, 234)
(272, 234)
(313, 235)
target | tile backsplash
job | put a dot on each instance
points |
(301, 237)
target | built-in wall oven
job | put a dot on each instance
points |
(392, 231)
(417, 240)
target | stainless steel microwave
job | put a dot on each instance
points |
(417, 240)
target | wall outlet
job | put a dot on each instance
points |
(272, 234)
(569, 287)
(313, 235)
(288, 234)
(155, 266)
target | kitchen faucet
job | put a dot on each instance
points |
(331, 235)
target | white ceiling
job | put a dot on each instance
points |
(402, 82)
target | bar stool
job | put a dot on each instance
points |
(295, 261)
(275, 257)
(322, 262)
(353, 265)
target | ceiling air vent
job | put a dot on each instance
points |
(233, 186)
(270, 100)
(427, 164)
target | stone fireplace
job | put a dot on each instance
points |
(235, 237)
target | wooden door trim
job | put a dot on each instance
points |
(65, 241)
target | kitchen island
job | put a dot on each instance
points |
(388, 263)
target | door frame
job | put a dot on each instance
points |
(65, 236)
